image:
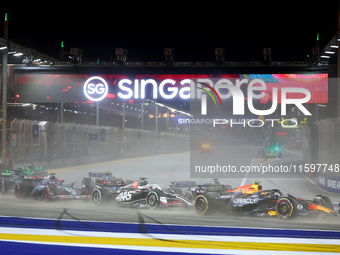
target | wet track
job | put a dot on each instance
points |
(162, 169)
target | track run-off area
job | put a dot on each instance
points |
(79, 226)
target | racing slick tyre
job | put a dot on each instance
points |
(204, 205)
(100, 197)
(22, 190)
(152, 200)
(285, 207)
(49, 192)
(324, 201)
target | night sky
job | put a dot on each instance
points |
(242, 28)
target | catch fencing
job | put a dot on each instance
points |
(66, 144)
(322, 152)
(329, 140)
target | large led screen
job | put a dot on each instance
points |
(69, 88)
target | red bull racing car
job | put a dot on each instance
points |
(252, 200)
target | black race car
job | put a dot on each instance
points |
(102, 183)
(214, 188)
(141, 194)
(183, 188)
(252, 200)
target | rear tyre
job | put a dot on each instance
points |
(285, 207)
(49, 192)
(325, 201)
(204, 205)
(152, 200)
(22, 190)
(100, 197)
(46, 193)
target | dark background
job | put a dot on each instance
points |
(192, 29)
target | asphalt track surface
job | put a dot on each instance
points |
(162, 169)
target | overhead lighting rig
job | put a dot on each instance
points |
(220, 55)
(267, 55)
(169, 55)
(121, 56)
(76, 55)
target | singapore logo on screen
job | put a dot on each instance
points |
(95, 88)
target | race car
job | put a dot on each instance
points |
(141, 194)
(49, 188)
(182, 188)
(10, 178)
(102, 180)
(252, 200)
(205, 148)
(24, 188)
(274, 151)
(190, 189)
(210, 187)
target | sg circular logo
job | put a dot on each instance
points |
(95, 88)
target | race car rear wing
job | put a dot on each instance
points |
(184, 184)
(210, 187)
(12, 172)
(113, 183)
(99, 174)
(34, 178)
(6, 174)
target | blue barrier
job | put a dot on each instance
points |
(34, 249)
(328, 182)
(162, 229)
(55, 237)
